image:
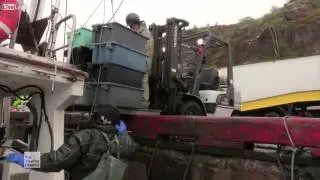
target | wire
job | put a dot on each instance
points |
(104, 11)
(95, 94)
(65, 29)
(46, 38)
(294, 149)
(37, 10)
(279, 163)
(99, 74)
(115, 11)
(112, 10)
(189, 163)
(93, 13)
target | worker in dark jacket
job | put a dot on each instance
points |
(82, 151)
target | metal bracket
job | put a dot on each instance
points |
(44, 73)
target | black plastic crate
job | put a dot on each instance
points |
(80, 55)
(111, 93)
(118, 33)
(116, 74)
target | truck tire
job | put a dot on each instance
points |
(191, 108)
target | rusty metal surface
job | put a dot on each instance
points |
(305, 132)
(172, 165)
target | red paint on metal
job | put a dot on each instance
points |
(315, 152)
(304, 131)
(9, 16)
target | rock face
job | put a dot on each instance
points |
(288, 32)
(174, 165)
(297, 9)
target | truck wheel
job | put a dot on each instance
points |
(191, 108)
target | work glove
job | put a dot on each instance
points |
(121, 128)
(17, 158)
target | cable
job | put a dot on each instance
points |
(37, 10)
(279, 163)
(95, 94)
(112, 9)
(189, 163)
(34, 130)
(46, 38)
(98, 81)
(104, 11)
(294, 149)
(116, 11)
(93, 13)
(65, 29)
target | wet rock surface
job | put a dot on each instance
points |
(174, 165)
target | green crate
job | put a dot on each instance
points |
(82, 37)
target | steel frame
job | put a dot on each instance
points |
(209, 131)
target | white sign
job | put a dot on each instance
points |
(9, 7)
(31, 160)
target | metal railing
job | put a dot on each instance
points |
(52, 50)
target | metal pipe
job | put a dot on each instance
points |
(69, 45)
(54, 17)
(230, 91)
(34, 12)
(59, 48)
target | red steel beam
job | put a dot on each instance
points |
(304, 131)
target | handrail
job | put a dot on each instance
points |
(52, 49)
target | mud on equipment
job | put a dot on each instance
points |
(9, 18)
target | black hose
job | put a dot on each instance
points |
(34, 130)
(38, 131)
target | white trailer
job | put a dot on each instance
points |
(271, 85)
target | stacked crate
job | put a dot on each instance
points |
(117, 68)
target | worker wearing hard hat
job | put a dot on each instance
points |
(134, 22)
(81, 153)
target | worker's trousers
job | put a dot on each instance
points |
(145, 84)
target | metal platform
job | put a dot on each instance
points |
(61, 83)
(233, 133)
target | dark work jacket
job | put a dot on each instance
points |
(81, 153)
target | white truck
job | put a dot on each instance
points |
(274, 88)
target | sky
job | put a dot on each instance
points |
(197, 12)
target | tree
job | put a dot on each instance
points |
(274, 9)
(246, 19)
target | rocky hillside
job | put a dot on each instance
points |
(286, 32)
